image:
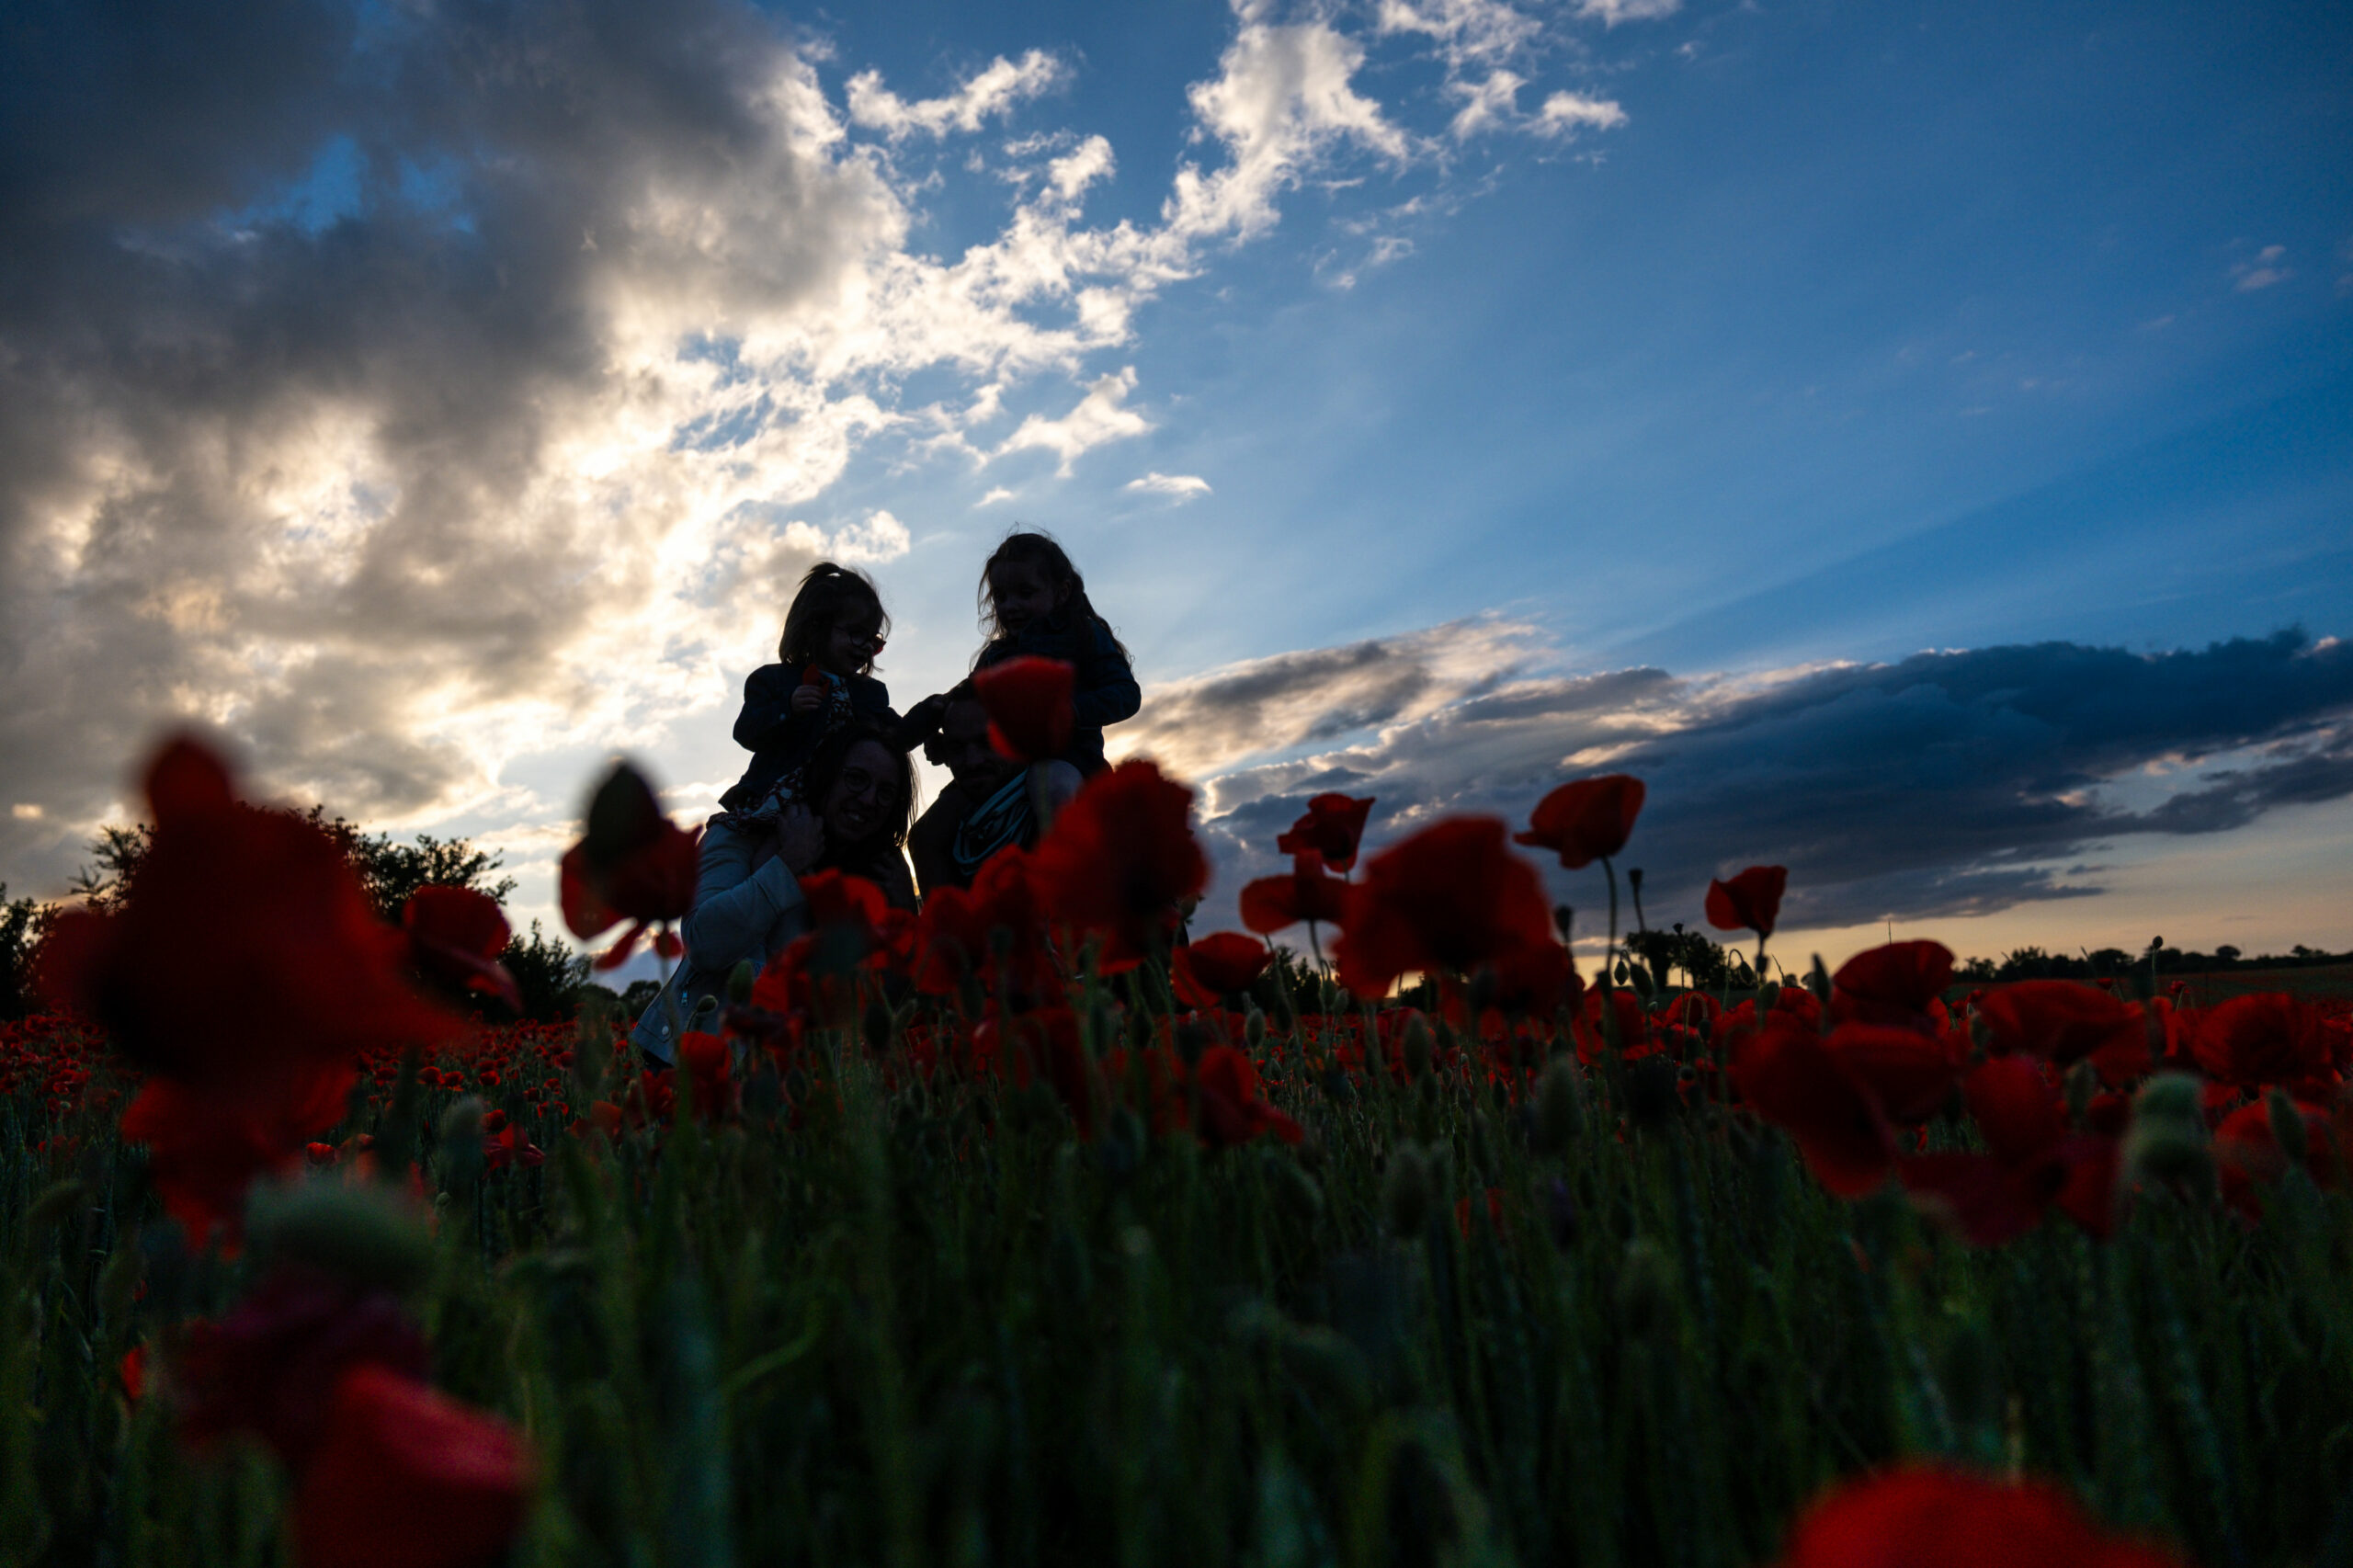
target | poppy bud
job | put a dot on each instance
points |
(1559, 1107)
(1640, 978)
(462, 1140)
(2288, 1127)
(1418, 1048)
(1819, 981)
(1646, 1289)
(2167, 1139)
(1562, 918)
(1254, 1031)
(367, 1235)
(740, 981)
(1295, 1190)
(2082, 1083)
(1405, 1192)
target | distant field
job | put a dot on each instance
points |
(2217, 985)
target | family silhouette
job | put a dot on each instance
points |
(830, 785)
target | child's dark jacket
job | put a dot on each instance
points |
(780, 740)
(1104, 691)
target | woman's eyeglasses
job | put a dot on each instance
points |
(857, 781)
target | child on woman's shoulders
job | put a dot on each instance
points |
(822, 682)
(1034, 604)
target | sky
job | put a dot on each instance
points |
(1916, 439)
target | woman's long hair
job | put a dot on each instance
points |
(1030, 548)
(829, 596)
(826, 766)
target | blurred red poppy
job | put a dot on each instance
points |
(2033, 1162)
(1120, 858)
(2059, 1019)
(1271, 904)
(247, 947)
(1332, 828)
(205, 1145)
(1750, 900)
(632, 863)
(2248, 1153)
(1206, 970)
(1232, 1109)
(1931, 1516)
(954, 935)
(456, 935)
(1789, 1077)
(1453, 896)
(1588, 821)
(1894, 985)
(1029, 705)
(2268, 1038)
(409, 1478)
(270, 1366)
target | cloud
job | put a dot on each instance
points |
(1567, 113)
(1612, 12)
(1183, 486)
(996, 495)
(1101, 415)
(2263, 272)
(1942, 785)
(995, 89)
(420, 394)
(1281, 100)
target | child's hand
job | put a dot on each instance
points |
(808, 699)
(799, 838)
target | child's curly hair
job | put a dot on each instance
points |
(829, 596)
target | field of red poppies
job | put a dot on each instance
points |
(1027, 1229)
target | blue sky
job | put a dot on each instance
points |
(437, 433)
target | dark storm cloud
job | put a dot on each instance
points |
(190, 362)
(1944, 785)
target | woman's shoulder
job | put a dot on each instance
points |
(867, 693)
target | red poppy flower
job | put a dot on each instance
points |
(247, 947)
(2059, 1020)
(954, 935)
(1625, 1009)
(1588, 821)
(710, 1061)
(1206, 970)
(2269, 1037)
(2033, 1162)
(1231, 1109)
(205, 1145)
(1909, 1074)
(1750, 900)
(270, 1366)
(1121, 858)
(1453, 896)
(1790, 1078)
(1029, 705)
(2247, 1151)
(1271, 904)
(1931, 1516)
(1893, 984)
(1333, 828)
(409, 1478)
(456, 935)
(633, 863)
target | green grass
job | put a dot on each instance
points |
(928, 1327)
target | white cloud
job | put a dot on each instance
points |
(2265, 270)
(1102, 415)
(1612, 12)
(1281, 99)
(995, 496)
(1565, 113)
(995, 89)
(1183, 486)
